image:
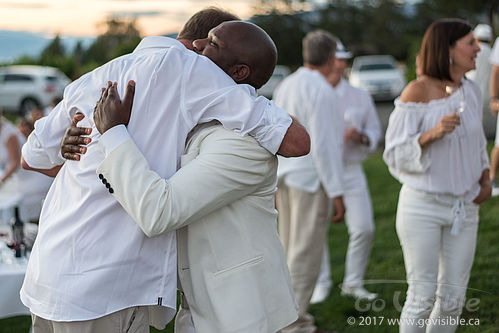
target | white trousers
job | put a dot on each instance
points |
(437, 263)
(324, 280)
(360, 224)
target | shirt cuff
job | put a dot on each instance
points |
(272, 138)
(112, 138)
(36, 156)
(410, 157)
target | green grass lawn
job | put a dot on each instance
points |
(387, 264)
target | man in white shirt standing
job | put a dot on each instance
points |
(362, 133)
(308, 184)
(92, 269)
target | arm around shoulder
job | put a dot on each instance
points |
(221, 174)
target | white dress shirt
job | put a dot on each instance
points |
(450, 166)
(359, 112)
(90, 258)
(307, 95)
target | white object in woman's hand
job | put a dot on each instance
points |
(447, 124)
(449, 90)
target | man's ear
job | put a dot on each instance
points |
(240, 72)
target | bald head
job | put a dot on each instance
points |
(243, 50)
(254, 47)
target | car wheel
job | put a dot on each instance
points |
(28, 104)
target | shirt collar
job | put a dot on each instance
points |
(163, 42)
(157, 42)
(341, 88)
(315, 72)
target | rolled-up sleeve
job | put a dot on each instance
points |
(159, 205)
(236, 107)
(42, 149)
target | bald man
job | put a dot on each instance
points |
(110, 274)
(230, 45)
(231, 264)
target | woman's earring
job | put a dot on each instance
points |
(450, 61)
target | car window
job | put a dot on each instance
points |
(375, 67)
(52, 79)
(18, 78)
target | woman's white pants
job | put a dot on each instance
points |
(437, 262)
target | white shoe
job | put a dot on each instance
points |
(321, 292)
(358, 293)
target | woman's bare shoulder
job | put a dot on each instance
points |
(416, 91)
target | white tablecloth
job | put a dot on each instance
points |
(12, 272)
(11, 280)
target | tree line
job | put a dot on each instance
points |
(120, 37)
(365, 26)
(393, 27)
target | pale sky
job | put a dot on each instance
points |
(81, 17)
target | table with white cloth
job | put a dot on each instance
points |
(11, 279)
(12, 269)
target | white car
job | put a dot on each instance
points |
(379, 75)
(23, 88)
(280, 72)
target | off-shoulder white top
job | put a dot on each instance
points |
(452, 165)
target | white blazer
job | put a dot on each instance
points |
(231, 264)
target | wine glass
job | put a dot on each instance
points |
(449, 90)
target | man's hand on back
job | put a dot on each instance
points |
(110, 111)
(74, 139)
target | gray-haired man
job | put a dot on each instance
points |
(308, 184)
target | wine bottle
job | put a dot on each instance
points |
(17, 232)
